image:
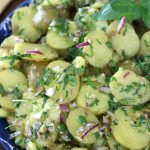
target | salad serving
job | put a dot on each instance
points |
(75, 75)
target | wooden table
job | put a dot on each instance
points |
(9, 8)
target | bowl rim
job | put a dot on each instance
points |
(5, 31)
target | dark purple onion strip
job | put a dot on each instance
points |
(89, 130)
(83, 44)
(62, 117)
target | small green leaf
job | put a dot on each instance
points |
(82, 120)
(116, 9)
(2, 90)
(145, 4)
(97, 136)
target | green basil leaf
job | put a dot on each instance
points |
(116, 9)
(145, 4)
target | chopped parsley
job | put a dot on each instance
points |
(2, 90)
(144, 65)
(45, 98)
(61, 127)
(133, 86)
(124, 55)
(70, 75)
(82, 120)
(59, 25)
(113, 105)
(46, 77)
(113, 79)
(146, 43)
(91, 83)
(35, 128)
(44, 114)
(125, 31)
(17, 93)
(127, 101)
(98, 41)
(109, 44)
(12, 59)
(74, 52)
(95, 102)
(20, 31)
(97, 136)
(115, 122)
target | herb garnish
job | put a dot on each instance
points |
(59, 25)
(146, 43)
(17, 93)
(46, 77)
(91, 83)
(115, 122)
(116, 9)
(97, 136)
(109, 44)
(82, 120)
(144, 65)
(2, 90)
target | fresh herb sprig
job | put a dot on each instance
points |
(116, 9)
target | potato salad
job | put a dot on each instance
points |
(69, 81)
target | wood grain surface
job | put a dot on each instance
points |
(9, 8)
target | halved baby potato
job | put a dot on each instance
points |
(92, 99)
(99, 52)
(83, 125)
(126, 43)
(129, 88)
(38, 52)
(126, 133)
(11, 79)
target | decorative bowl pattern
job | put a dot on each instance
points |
(5, 31)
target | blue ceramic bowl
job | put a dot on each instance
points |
(5, 31)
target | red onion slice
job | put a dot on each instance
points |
(121, 24)
(105, 89)
(84, 44)
(64, 107)
(126, 74)
(35, 52)
(89, 130)
(62, 117)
